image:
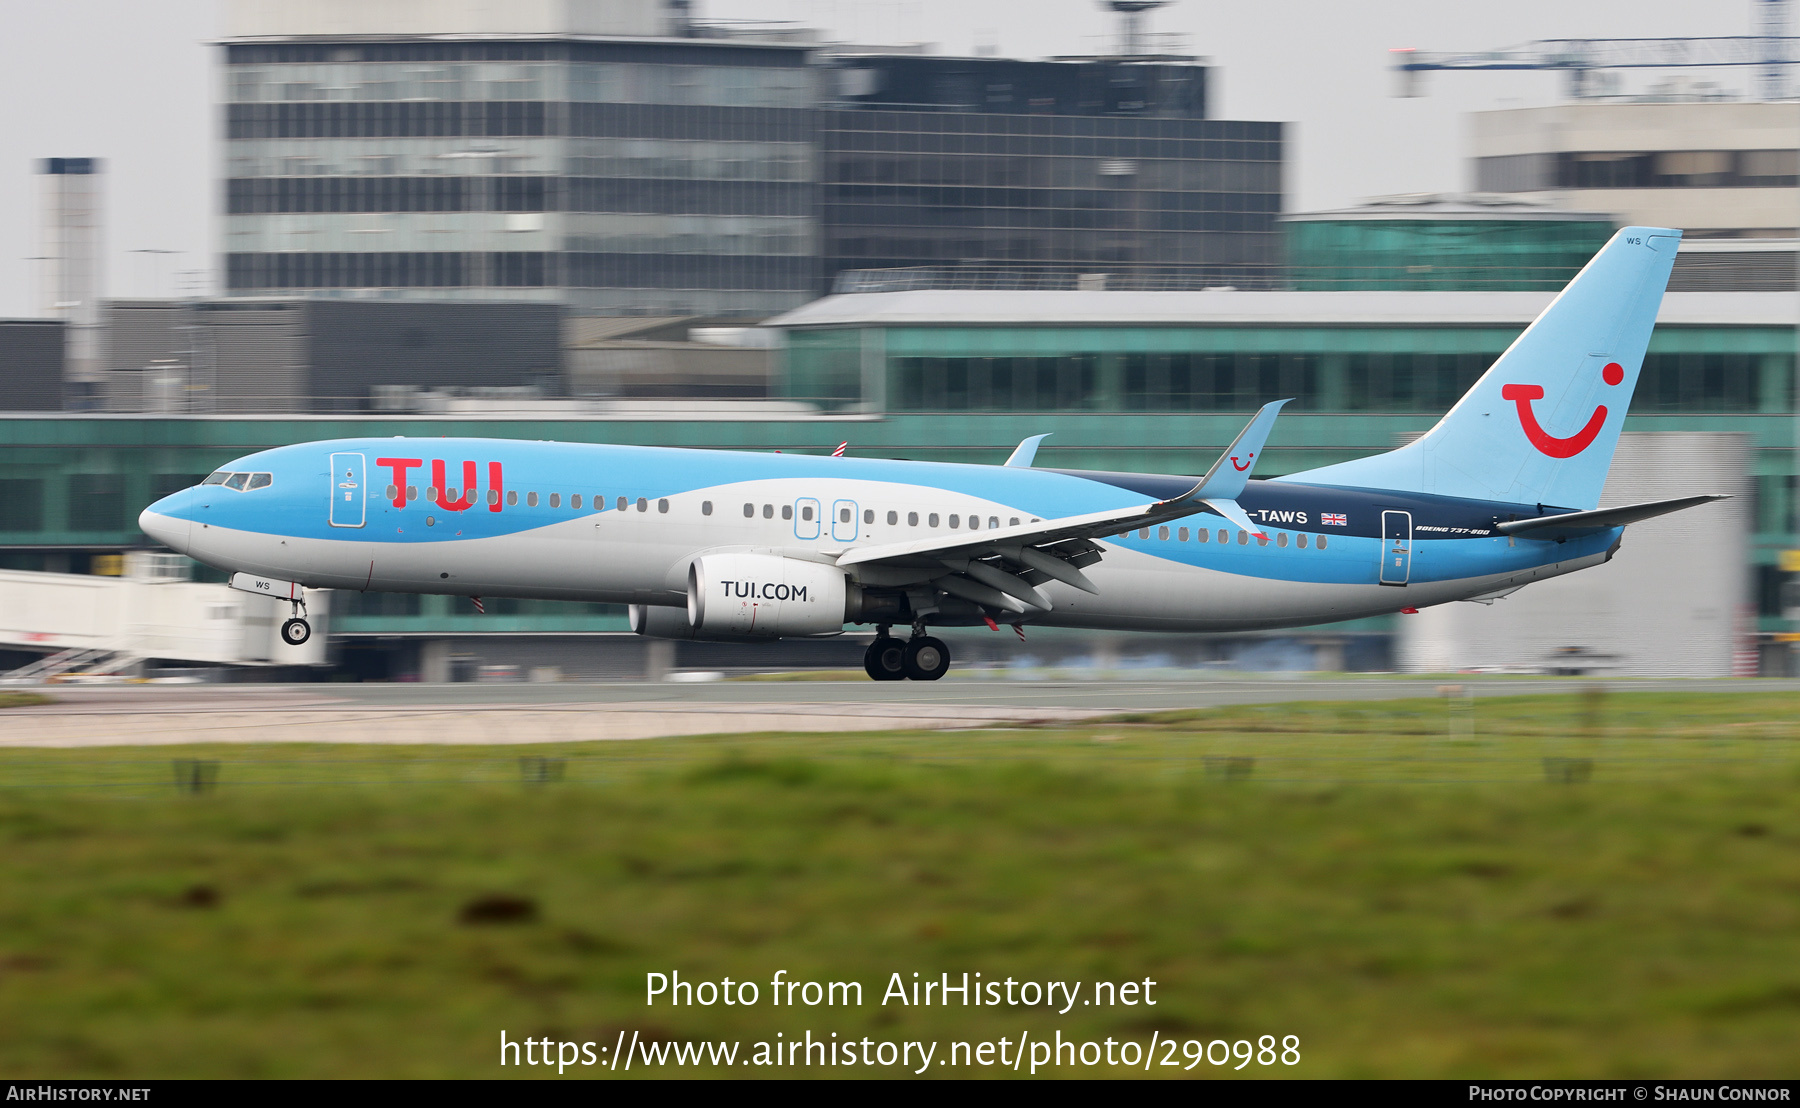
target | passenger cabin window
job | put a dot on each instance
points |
(512, 498)
(623, 501)
(912, 519)
(768, 511)
(787, 511)
(706, 507)
(974, 523)
(1281, 539)
(556, 500)
(893, 518)
(531, 499)
(1321, 542)
(1162, 534)
(261, 480)
(1013, 522)
(493, 496)
(1181, 535)
(1202, 534)
(932, 520)
(575, 501)
(236, 481)
(1300, 541)
(955, 522)
(806, 512)
(662, 506)
(994, 521)
(843, 515)
(749, 509)
(868, 515)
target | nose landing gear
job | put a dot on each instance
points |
(296, 631)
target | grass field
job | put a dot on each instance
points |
(1413, 888)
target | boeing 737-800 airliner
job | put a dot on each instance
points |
(727, 545)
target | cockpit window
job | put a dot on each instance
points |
(236, 481)
(217, 478)
(261, 480)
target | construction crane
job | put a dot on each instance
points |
(1769, 51)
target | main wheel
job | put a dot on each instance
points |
(926, 658)
(885, 660)
(295, 632)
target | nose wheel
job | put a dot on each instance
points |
(296, 631)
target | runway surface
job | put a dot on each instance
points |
(151, 715)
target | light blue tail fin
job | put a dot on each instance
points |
(1541, 424)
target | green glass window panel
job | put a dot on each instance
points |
(97, 502)
(22, 504)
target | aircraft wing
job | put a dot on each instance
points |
(1586, 523)
(1002, 567)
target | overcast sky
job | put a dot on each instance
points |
(131, 81)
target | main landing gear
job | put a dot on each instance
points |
(920, 658)
(296, 631)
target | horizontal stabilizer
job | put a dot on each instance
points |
(1584, 523)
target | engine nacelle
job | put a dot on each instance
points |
(764, 596)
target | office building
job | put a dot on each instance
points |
(1714, 168)
(656, 165)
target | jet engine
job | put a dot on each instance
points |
(764, 596)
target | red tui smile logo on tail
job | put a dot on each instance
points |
(1549, 444)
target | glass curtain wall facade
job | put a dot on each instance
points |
(628, 176)
(1107, 193)
(1089, 164)
(1399, 253)
(1688, 370)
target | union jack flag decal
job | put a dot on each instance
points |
(1334, 519)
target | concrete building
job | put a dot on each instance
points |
(71, 281)
(1671, 603)
(621, 158)
(32, 358)
(261, 355)
(1714, 168)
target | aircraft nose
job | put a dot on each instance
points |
(166, 520)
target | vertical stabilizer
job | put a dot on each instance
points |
(1541, 424)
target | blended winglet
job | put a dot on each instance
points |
(1026, 452)
(1228, 476)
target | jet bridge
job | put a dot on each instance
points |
(104, 625)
